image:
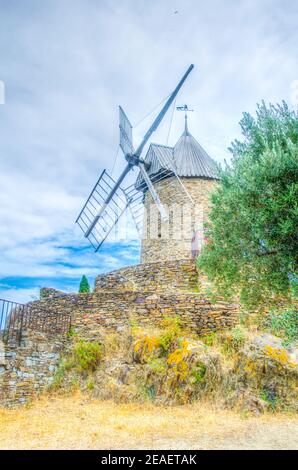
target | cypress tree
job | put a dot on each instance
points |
(84, 285)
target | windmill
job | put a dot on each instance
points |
(109, 199)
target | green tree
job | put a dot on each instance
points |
(252, 235)
(84, 285)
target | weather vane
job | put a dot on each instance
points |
(186, 110)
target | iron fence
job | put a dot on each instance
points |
(15, 318)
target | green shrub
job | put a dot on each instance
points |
(171, 332)
(198, 373)
(233, 340)
(158, 365)
(270, 398)
(59, 375)
(84, 357)
(209, 339)
(147, 392)
(90, 385)
(71, 333)
(238, 336)
(285, 324)
(87, 356)
(42, 294)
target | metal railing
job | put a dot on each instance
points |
(15, 318)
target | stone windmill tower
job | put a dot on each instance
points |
(169, 199)
(183, 177)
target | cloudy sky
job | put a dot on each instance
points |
(68, 64)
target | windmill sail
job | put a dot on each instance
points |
(108, 201)
(136, 206)
(109, 213)
(155, 196)
(125, 133)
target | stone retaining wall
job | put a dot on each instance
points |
(112, 311)
(167, 276)
(26, 369)
(144, 294)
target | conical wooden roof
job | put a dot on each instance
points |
(191, 160)
(187, 157)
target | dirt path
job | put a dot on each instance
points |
(271, 436)
(79, 423)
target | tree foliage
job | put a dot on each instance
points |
(252, 235)
(285, 324)
(84, 285)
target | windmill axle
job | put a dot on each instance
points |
(134, 160)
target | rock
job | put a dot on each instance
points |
(271, 349)
(123, 373)
(48, 293)
(253, 404)
(269, 370)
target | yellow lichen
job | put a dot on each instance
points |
(250, 366)
(146, 345)
(177, 360)
(279, 355)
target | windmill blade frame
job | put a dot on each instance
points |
(135, 206)
(110, 213)
(107, 197)
(125, 128)
(154, 194)
(168, 169)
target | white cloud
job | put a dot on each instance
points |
(20, 295)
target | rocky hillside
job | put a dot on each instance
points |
(236, 368)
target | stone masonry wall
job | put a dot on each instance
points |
(171, 240)
(100, 312)
(172, 276)
(26, 369)
(144, 293)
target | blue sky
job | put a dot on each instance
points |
(67, 65)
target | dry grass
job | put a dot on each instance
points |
(77, 422)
